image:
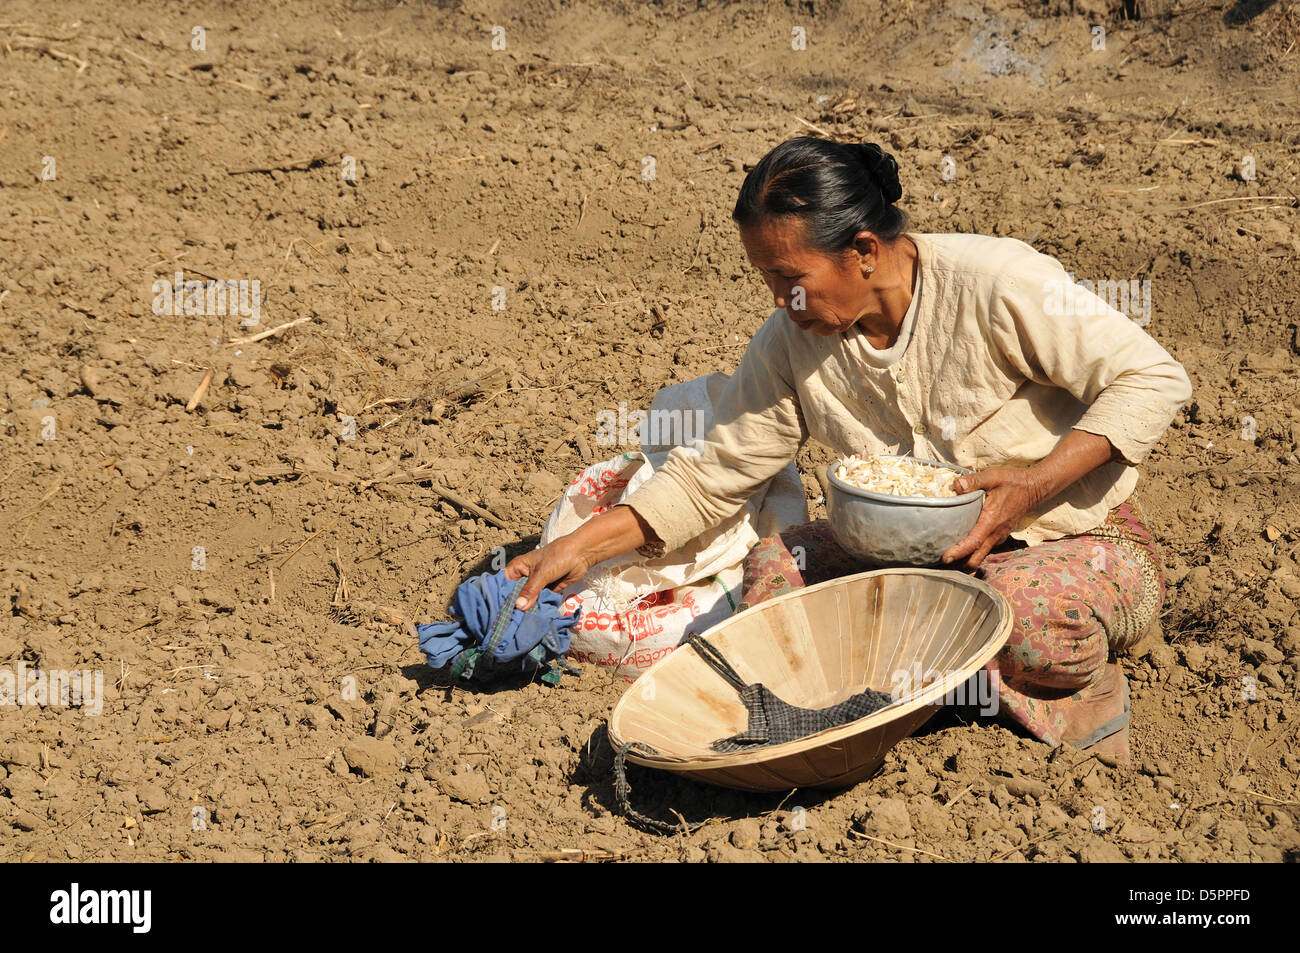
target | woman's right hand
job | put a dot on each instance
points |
(557, 564)
(567, 559)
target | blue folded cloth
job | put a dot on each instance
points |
(487, 632)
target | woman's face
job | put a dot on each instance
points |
(833, 287)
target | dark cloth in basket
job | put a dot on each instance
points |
(773, 721)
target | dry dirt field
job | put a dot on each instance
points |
(192, 555)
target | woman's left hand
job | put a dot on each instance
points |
(1009, 493)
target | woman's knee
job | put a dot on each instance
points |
(1056, 639)
(1054, 653)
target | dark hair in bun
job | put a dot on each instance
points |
(836, 188)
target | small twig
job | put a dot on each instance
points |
(1035, 843)
(422, 474)
(388, 616)
(1244, 198)
(578, 855)
(686, 828)
(366, 363)
(560, 66)
(330, 821)
(295, 165)
(266, 334)
(458, 500)
(307, 540)
(41, 502)
(881, 840)
(147, 62)
(50, 51)
(782, 804)
(200, 391)
(288, 251)
(26, 529)
(341, 590)
(184, 668)
(1145, 188)
(251, 89)
(948, 806)
(817, 129)
(386, 402)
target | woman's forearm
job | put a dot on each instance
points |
(610, 534)
(1078, 454)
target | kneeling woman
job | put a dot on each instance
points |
(962, 348)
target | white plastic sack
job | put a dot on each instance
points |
(630, 639)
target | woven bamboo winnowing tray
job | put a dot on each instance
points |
(814, 648)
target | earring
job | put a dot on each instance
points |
(870, 269)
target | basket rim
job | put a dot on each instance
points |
(926, 697)
(933, 501)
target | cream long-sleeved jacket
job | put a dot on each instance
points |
(1006, 355)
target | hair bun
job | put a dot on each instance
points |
(882, 167)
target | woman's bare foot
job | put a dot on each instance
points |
(1114, 747)
(1099, 716)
